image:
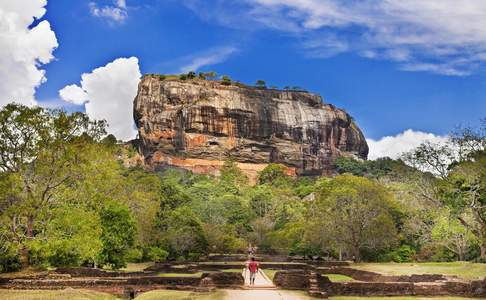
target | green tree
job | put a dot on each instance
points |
(232, 178)
(449, 233)
(118, 234)
(225, 80)
(275, 174)
(191, 75)
(261, 84)
(350, 165)
(459, 164)
(210, 75)
(184, 234)
(357, 213)
(71, 238)
(43, 150)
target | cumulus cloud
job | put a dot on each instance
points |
(395, 146)
(446, 37)
(74, 94)
(23, 49)
(114, 13)
(107, 94)
(211, 57)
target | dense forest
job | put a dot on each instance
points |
(68, 198)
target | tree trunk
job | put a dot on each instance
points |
(24, 251)
(482, 247)
(24, 257)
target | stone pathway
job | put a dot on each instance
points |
(263, 289)
(261, 280)
(264, 295)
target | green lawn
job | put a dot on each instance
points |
(198, 274)
(233, 270)
(464, 270)
(67, 294)
(137, 267)
(399, 298)
(180, 295)
(270, 273)
(338, 277)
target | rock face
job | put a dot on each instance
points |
(197, 125)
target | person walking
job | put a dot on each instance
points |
(253, 267)
(250, 250)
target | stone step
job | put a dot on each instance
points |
(260, 287)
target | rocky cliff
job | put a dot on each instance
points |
(197, 125)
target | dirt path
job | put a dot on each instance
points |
(263, 289)
(261, 280)
(264, 295)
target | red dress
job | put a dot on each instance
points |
(253, 266)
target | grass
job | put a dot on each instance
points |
(233, 270)
(464, 270)
(338, 277)
(137, 267)
(195, 275)
(270, 273)
(180, 295)
(67, 294)
(399, 298)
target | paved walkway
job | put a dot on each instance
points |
(264, 295)
(261, 280)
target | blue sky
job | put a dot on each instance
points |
(430, 84)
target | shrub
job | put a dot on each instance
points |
(157, 254)
(118, 234)
(183, 77)
(135, 255)
(225, 80)
(403, 254)
(194, 256)
(273, 174)
(191, 75)
(261, 84)
(9, 262)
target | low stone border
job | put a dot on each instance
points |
(376, 277)
(302, 280)
(128, 286)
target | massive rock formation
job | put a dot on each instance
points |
(197, 125)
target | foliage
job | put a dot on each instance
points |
(357, 213)
(185, 234)
(225, 80)
(403, 254)
(41, 152)
(210, 75)
(66, 199)
(118, 231)
(349, 165)
(157, 254)
(261, 84)
(72, 237)
(273, 174)
(460, 164)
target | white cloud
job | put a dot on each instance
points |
(74, 94)
(395, 146)
(211, 57)
(23, 50)
(108, 94)
(115, 13)
(440, 36)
